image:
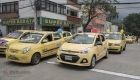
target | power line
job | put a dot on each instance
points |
(127, 7)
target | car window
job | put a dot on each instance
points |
(102, 38)
(82, 39)
(64, 35)
(68, 34)
(115, 36)
(98, 40)
(48, 38)
(15, 34)
(56, 36)
(31, 38)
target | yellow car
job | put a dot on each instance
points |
(66, 35)
(11, 38)
(129, 39)
(83, 49)
(34, 46)
(116, 42)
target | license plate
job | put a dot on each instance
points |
(68, 58)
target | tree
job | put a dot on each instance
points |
(132, 23)
(93, 8)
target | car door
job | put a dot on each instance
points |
(104, 45)
(48, 45)
(98, 47)
(67, 36)
(58, 40)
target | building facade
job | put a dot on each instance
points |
(51, 14)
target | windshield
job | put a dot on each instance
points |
(31, 38)
(106, 35)
(82, 39)
(15, 34)
(115, 36)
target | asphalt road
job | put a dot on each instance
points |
(125, 66)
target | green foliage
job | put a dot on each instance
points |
(132, 23)
(105, 6)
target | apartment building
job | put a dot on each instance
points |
(51, 14)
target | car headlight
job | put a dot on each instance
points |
(85, 51)
(26, 49)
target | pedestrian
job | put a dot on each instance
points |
(1, 33)
(137, 39)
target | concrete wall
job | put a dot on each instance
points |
(3, 1)
(29, 12)
(26, 12)
(53, 15)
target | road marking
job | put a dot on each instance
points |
(116, 74)
(51, 62)
(109, 72)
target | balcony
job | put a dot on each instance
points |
(74, 19)
(73, 3)
(8, 15)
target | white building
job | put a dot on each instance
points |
(19, 14)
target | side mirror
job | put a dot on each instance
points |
(99, 43)
(44, 41)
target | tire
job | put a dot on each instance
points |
(124, 48)
(93, 62)
(35, 59)
(106, 56)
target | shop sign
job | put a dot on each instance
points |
(21, 21)
(54, 22)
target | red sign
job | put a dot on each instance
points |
(94, 30)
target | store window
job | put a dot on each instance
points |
(47, 5)
(0, 8)
(4, 7)
(9, 7)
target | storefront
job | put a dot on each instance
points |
(53, 24)
(46, 24)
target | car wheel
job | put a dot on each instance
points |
(124, 48)
(35, 59)
(93, 62)
(106, 56)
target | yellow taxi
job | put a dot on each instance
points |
(129, 39)
(83, 49)
(11, 38)
(34, 46)
(116, 42)
(66, 35)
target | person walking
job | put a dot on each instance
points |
(1, 33)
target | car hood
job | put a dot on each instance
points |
(114, 41)
(20, 46)
(75, 47)
(6, 41)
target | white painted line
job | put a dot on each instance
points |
(109, 72)
(51, 62)
(116, 74)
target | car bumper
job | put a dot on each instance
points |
(129, 41)
(82, 60)
(20, 58)
(2, 50)
(114, 49)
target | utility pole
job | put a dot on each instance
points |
(34, 7)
